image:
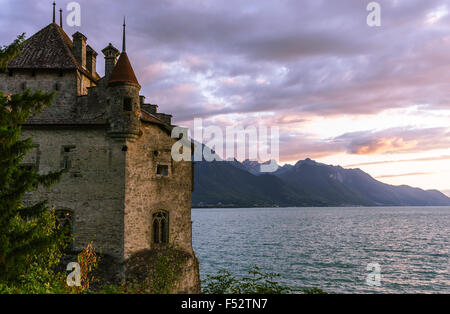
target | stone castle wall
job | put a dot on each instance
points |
(147, 192)
(46, 81)
(111, 187)
(67, 84)
(93, 188)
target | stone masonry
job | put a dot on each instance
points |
(122, 190)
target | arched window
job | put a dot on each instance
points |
(160, 227)
(64, 222)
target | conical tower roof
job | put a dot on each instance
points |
(123, 71)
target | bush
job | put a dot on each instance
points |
(257, 282)
(151, 271)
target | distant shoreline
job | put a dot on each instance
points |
(337, 206)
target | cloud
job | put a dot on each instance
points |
(380, 145)
(292, 59)
(395, 140)
(403, 175)
(438, 158)
(316, 57)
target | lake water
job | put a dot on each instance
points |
(330, 248)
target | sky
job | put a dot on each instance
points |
(340, 92)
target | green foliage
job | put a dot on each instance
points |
(166, 271)
(159, 276)
(40, 277)
(88, 260)
(11, 51)
(28, 241)
(257, 282)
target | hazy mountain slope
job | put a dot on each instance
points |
(308, 183)
(316, 175)
(385, 194)
(222, 183)
(324, 181)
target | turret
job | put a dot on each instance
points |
(123, 98)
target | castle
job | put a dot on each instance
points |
(121, 189)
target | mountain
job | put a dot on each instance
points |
(307, 183)
(355, 186)
(228, 184)
(253, 166)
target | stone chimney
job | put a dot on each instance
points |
(79, 48)
(111, 54)
(91, 59)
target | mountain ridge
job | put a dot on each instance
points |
(307, 183)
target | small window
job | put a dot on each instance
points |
(10, 72)
(160, 226)
(33, 73)
(127, 106)
(66, 156)
(69, 149)
(162, 170)
(24, 86)
(67, 163)
(61, 73)
(57, 87)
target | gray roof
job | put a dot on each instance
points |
(50, 48)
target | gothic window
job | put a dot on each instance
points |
(64, 223)
(127, 104)
(162, 170)
(160, 226)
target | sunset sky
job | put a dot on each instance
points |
(341, 92)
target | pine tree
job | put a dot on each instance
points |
(26, 232)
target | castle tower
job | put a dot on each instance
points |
(121, 188)
(123, 97)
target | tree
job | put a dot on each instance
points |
(27, 232)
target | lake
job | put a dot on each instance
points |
(330, 248)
